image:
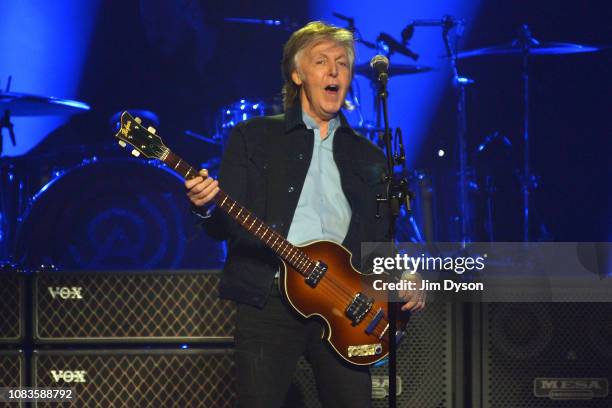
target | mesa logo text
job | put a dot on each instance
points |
(570, 388)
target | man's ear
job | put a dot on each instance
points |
(296, 78)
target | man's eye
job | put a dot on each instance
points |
(344, 64)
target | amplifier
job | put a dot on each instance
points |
(12, 284)
(138, 378)
(140, 306)
(546, 355)
(12, 372)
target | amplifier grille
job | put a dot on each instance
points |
(11, 373)
(11, 306)
(131, 306)
(154, 378)
(525, 341)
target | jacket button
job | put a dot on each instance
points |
(301, 156)
(290, 189)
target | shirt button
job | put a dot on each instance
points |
(290, 189)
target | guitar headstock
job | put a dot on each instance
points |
(144, 141)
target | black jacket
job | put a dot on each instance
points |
(264, 167)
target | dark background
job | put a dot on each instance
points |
(182, 61)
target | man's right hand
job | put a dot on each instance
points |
(202, 189)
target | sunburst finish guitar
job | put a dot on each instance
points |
(317, 279)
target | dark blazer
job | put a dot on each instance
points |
(264, 166)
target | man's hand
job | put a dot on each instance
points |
(201, 189)
(415, 299)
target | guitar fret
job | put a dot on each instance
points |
(177, 164)
(257, 230)
(238, 215)
(223, 202)
(254, 219)
(246, 218)
(230, 209)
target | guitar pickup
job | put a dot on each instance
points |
(315, 276)
(359, 308)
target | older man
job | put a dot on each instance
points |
(311, 177)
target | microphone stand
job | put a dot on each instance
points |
(397, 195)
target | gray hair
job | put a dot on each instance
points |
(311, 33)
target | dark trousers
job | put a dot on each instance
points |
(269, 342)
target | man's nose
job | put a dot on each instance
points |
(333, 69)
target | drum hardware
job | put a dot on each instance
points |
(241, 110)
(525, 46)
(394, 70)
(210, 140)
(356, 33)
(285, 24)
(118, 222)
(21, 104)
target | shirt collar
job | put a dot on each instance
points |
(294, 119)
(310, 123)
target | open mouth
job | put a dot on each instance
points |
(332, 88)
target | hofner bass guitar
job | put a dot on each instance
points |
(317, 279)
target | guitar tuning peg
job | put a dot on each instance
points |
(151, 129)
(138, 120)
(122, 143)
(135, 153)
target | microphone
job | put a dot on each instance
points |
(380, 66)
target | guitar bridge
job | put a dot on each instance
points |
(359, 307)
(315, 276)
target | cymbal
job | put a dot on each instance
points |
(20, 104)
(394, 69)
(537, 48)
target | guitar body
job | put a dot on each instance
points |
(330, 299)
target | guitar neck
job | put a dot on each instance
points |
(256, 227)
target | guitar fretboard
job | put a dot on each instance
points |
(283, 248)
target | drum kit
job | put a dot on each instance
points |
(16, 210)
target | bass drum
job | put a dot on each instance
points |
(115, 214)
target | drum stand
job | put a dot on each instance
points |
(526, 41)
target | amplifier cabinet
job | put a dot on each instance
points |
(12, 373)
(141, 306)
(138, 378)
(12, 290)
(546, 355)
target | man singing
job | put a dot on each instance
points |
(307, 174)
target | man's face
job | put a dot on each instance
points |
(324, 73)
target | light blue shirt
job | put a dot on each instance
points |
(322, 212)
